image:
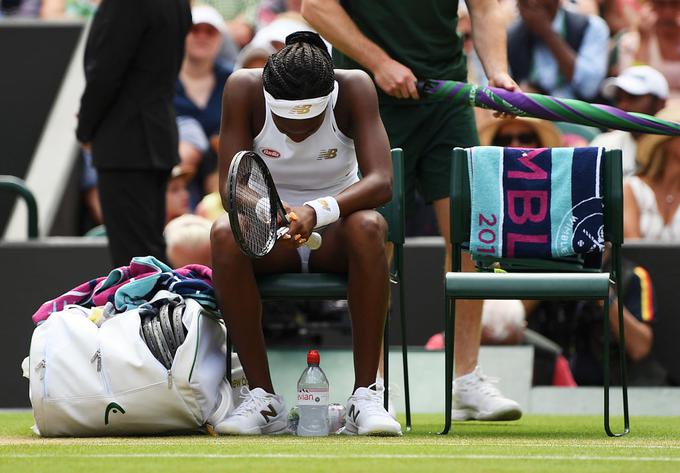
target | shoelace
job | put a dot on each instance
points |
(486, 385)
(251, 403)
(373, 398)
(394, 394)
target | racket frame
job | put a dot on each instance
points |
(276, 208)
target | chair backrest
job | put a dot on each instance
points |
(19, 187)
(393, 211)
(460, 207)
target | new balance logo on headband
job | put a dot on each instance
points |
(301, 109)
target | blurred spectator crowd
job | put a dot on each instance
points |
(625, 53)
(621, 52)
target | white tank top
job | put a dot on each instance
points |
(652, 225)
(324, 164)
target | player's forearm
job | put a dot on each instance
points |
(331, 20)
(370, 192)
(489, 35)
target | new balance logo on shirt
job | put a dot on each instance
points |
(327, 154)
(270, 414)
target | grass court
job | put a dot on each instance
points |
(535, 443)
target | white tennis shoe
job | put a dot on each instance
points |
(260, 413)
(366, 414)
(391, 398)
(475, 397)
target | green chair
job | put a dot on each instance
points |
(334, 286)
(96, 232)
(19, 187)
(539, 279)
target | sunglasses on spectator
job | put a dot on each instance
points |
(205, 29)
(521, 138)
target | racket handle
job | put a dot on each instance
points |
(314, 241)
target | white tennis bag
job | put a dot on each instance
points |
(98, 381)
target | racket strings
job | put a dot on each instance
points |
(254, 208)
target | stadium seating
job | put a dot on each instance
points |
(559, 278)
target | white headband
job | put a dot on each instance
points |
(301, 109)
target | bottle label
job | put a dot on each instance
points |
(313, 397)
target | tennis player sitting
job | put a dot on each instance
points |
(316, 128)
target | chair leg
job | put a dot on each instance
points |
(229, 349)
(624, 372)
(606, 374)
(404, 354)
(449, 324)
(615, 273)
(386, 358)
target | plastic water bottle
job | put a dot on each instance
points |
(312, 399)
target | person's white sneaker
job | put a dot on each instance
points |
(366, 414)
(391, 397)
(476, 398)
(259, 413)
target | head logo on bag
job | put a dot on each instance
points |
(112, 407)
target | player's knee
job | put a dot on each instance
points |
(222, 240)
(367, 227)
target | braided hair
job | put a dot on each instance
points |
(303, 69)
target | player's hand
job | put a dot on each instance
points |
(86, 146)
(288, 209)
(502, 80)
(396, 80)
(302, 220)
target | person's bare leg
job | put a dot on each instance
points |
(360, 239)
(239, 299)
(368, 291)
(468, 330)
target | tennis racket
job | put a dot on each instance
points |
(256, 214)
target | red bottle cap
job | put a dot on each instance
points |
(313, 357)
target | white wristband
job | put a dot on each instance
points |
(327, 210)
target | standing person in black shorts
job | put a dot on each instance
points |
(398, 43)
(133, 55)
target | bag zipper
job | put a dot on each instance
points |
(42, 369)
(98, 358)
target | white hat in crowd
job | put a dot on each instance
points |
(207, 14)
(637, 80)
